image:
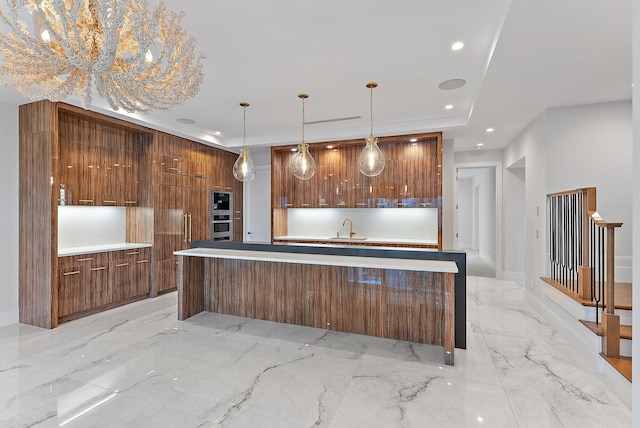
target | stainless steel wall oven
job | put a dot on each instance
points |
(221, 209)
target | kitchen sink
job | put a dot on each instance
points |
(346, 238)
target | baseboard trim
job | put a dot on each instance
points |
(518, 277)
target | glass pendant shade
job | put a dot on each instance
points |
(303, 164)
(243, 169)
(371, 160)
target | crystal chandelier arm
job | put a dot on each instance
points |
(111, 15)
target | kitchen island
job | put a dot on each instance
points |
(403, 294)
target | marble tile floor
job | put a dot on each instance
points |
(137, 366)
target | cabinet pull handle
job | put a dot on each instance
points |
(237, 218)
(109, 202)
(100, 268)
(190, 228)
(122, 264)
(174, 169)
(133, 253)
(71, 273)
(228, 188)
(131, 202)
(85, 201)
(142, 261)
(85, 260)
(184, 217)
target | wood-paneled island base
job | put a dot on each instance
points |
(403, 299)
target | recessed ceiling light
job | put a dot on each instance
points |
(489, 129)
(217, 133)
(457, 46)
(449, 106)
(450, 84)
(329, 147)
(480, 144)
(185, 121)
(413, 140)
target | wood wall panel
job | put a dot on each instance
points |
(38, 215)
(403, 305)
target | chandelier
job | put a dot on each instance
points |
(137, 59)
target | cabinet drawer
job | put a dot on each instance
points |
(83, 260)
(132, 254)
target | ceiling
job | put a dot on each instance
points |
(519, 58)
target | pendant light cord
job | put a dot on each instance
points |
(371, 108)
(244, 126)
(303, 120)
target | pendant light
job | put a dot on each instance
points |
(371, 161)
(303, 164)
(243, 169)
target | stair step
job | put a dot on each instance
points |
(621, 364)
(625, 330)
(622, 294)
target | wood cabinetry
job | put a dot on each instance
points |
(411, 177)
(186, 173)
(101, 162)
(104, 161)
(93, 282)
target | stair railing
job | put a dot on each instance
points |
(582, 256)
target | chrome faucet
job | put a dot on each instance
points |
(351, 232)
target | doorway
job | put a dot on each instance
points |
(477, 225)
(257, 207)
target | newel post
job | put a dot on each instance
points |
(611, 321)
(585, 271)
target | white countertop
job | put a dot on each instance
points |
(357, 241)
(75, 251)
(325, 259)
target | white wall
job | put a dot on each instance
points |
(635, 401)
(485, 182)
(465, 213)
(602, 136)
(514, 222)
(9, 214)
(448, 196)
(530, 146)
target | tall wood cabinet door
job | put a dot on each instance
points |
(73, 290)
(131, 170)
(171, 225)
(112, 177)
(238, 215)
(196, 207)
